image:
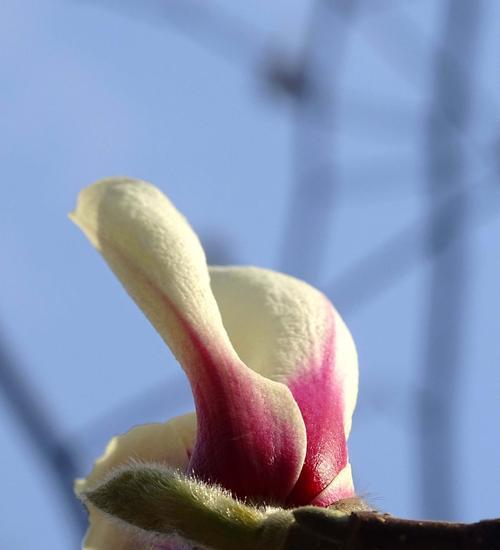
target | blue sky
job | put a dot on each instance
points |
(88, 90)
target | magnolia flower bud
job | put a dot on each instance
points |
(273, 370)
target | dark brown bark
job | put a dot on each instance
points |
(375, 531)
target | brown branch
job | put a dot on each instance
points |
(313, 530)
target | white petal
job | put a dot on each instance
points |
(156, 256)
(106, 534)
(170, 443)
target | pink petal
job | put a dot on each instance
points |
(304, 344)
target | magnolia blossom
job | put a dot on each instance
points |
(271, 364)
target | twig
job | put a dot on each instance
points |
(373, 531)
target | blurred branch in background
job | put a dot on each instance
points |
(447, 292)
(396, 28)
(384, 265)
(312, 196)
(31, 412)
(215, 30)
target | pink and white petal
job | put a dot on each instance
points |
(251, 436)
(303, 343)
(341, 487)
(169, 443)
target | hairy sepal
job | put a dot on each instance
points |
(162, 502)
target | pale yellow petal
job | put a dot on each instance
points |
(169, 443)
(106, 534)
(158, 259)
